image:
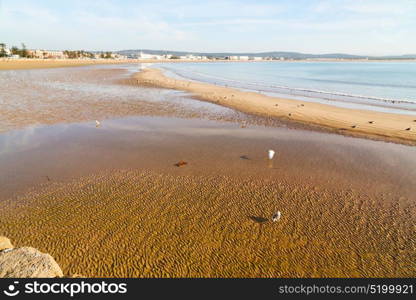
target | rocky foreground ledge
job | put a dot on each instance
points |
(26, 262)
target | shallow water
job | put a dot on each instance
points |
(59, 152)
(47, 96)
(381, 86)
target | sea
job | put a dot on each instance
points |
(388, 86)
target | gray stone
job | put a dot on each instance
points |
(27, 262)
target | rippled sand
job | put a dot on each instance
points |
(142, 224)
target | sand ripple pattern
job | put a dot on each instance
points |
(130, 223)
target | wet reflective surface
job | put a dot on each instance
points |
(49, 96)
(65, 151)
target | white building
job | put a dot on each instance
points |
(193, 57)
(46, 54)
(142, 55)
(118, 56)
(243, 57)
(257, 58)
(54, 54)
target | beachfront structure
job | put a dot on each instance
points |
(256, 58)
(195, 57)
(36, 53)
(145, 56)
(241, 57)
(46, 54)
(142, 55)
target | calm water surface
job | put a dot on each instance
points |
(382, 86)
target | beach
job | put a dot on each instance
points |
(26, 64)
(175, 180)
(387, 126)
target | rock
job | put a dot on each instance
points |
(181, 163)
(27, 262)
(5, 243)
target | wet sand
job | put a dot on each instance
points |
(25, 64)
(362, 123)
(64, 95)
(109, 201)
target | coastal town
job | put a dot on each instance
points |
(24, 53)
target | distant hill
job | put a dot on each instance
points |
(277, 54)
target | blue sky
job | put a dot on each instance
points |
(369, 27)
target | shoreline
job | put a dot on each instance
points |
(359, 123)
(25, 64)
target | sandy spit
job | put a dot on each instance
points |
(17, 64)
(363, 123)
(50, 63)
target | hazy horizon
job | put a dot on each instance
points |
(369, 28)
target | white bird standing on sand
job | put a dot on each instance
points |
(271, 154)
(97, 123)
(276, 216)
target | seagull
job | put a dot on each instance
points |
(97, 123)
(276, 216)
(271, 154)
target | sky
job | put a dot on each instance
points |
(364, 27)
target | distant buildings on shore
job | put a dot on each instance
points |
(254, 58)
(147, 56)
(16, 53)
(53, 54)
(23, 53)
